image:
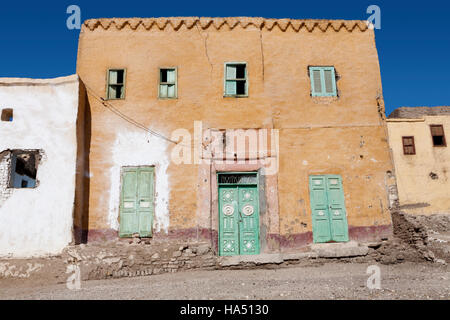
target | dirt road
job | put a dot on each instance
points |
(323, 281)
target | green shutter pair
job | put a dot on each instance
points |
(323, 81)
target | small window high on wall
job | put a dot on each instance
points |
(409, 147)
(167, 83)
(24, 165)
(116, 84)
(236, 79)
(323, 81)
(437, 133)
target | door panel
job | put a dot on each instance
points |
(249, 218)
(228, 221)
(338, 215)
(145, 201)
(319, 208)
(128, 216)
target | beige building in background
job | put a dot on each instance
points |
(419, 141)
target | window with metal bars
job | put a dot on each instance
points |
(116, 84)
(438, 136)
(409, 147)
(323, 81)
(167, 83)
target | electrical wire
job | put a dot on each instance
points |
(141, 126)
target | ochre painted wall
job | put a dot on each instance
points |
(418, 192)
(344, 135)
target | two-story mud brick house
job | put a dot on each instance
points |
(257, 134)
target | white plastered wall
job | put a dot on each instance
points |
(38, 222)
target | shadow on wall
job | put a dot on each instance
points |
(81, 214)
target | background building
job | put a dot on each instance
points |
(422, 158)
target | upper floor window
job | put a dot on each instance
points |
(236, 79)
(409, 147)
(323, 81)
(116, 84)
(167, 83)
(437, 133)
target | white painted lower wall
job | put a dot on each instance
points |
(134, 149)
(38, 222)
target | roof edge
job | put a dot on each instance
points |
(231, 22)
(31, 81)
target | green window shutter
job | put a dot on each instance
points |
(317, 81)
(323, 81)
(163, 89)
(231, 72)
(230, 88)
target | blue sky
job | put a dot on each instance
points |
(413, 43)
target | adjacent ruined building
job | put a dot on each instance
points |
(258, 135)
(419, 140)
(38, 153)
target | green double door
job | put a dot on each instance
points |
(238, 220)
(329, 217)
(137, 202)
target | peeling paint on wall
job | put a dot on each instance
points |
(140, 149)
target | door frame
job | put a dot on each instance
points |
(122, 170)
(237, 185)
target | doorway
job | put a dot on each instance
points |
(238, 214)
(329, 217)
(137, 202)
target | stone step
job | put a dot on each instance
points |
(339, 250)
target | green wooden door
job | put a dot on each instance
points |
(137, 203)
(238, 220)
(329, 217)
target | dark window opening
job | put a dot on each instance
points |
(7, 115)
(24, 165)
(240, 87)
(240, 71)
(163, 75)
(437, 133)
(409, 147)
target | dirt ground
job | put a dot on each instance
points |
(414, 265)
(333, 280)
